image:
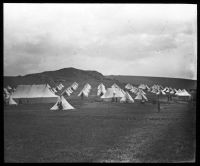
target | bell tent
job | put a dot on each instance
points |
(64, 104)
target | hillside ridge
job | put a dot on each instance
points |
(71, 74)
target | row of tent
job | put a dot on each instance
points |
(37, 94)
(158, 89)
(45, 94)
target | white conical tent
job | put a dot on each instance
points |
(128, 86)
(6, 94)
(70, 90)
(178, 92)
(154, 90)
(115, 86)
(67, 92)
(6, 91)
(184, 93)
(59, 87)
(165, 88)
(85, 91)
(101, 90)
(126, 98)
(11, 101)
(9, 88)
(65, 104)
(141, 96)
(142, 86)
(74, 86)
(138, 97)
(163, 93)
(134, 90)
(118, 92)
(99, 86)
(88, 86)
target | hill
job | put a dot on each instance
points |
(67, 76)
(164, 81)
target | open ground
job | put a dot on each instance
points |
(100, 132)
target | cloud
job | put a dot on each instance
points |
(40, 37)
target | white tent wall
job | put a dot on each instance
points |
(34, 94)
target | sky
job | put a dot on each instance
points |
(114, 39)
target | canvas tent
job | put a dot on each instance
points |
(34, 94)
(11, 101)
(115, 86)
(134, 90)
(59, 87)
(74, 86)
(70, 90)
(147, 87)
(141, 96)
(163, 92)
(178, 92)
(101, 90)
(183, 93)
(128, 86)
(67, 92)
(85, 91)
(112, 93)
(65, 104)
(142, 86)
(5, 91)
(126, 98)
(9, 88)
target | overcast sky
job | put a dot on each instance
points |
(120, 39)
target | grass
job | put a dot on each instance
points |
(99, 132)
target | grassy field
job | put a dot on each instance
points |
(100, 132)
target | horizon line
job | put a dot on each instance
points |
(99, 72)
